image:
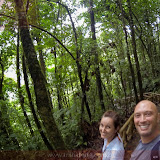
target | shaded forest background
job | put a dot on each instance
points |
(73, 60)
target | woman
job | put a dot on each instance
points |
(113, 146)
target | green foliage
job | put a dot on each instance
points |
(70, 128)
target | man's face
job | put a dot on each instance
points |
(146, 119)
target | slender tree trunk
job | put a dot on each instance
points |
(135, 51)
(5, 127)
(84, 97)
(153, 55)
(44, 138)
(21, 97)
(43, 100)
(3, 134)
(121, 57)
(1, 77)
(58, 76)
(95, 52)
(79, 67)
(131, 68)
(58, 86)
(124, 90)
(158, 41)
(149, 55)
(128, 56)
(3, 131)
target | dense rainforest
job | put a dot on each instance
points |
(71, 61)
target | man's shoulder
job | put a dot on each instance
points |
(145, 151)
(150, 144)
(155, 141)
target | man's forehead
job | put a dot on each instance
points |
(144, 107)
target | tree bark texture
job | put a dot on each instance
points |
(135, 51)
(44, 138)
(94, 51)
(41, 57)
(21, 97)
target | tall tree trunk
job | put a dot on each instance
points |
(21, 97)
(84, 96)
(121, 57)
(151, 46)
(44, 138)
(124, 90)
(135, 51)
(43, 101)
(128, 55)
(147, 49)
(95, 52)
(3, 130)
(58, 86)
(79, 67)
(1, 77)
(158, 41)
(57, 76)
(131, 67)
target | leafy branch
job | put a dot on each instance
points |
(1, 14)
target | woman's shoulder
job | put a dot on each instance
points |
(118, 144)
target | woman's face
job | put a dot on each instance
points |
(107, 129)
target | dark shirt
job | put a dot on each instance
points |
(143, 150)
